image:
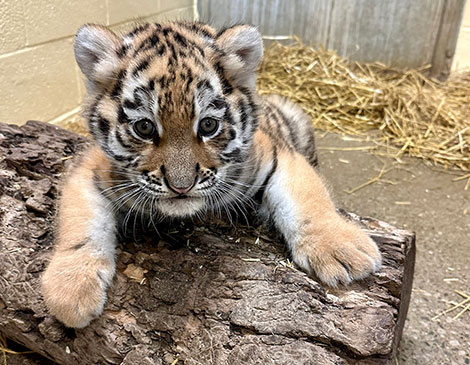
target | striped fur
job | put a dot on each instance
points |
(260, 151)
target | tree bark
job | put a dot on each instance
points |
(202, 294)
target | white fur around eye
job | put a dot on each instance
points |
(203, 109)
(149, 109)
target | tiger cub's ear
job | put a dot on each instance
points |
(96, 53)
(243, 48)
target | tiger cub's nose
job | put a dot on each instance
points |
(181, 180)
(180, 190)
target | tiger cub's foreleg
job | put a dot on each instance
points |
(320, 240)
(83, 264)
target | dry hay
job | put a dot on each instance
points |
(464, 305)
(4, 350)
(401, 109)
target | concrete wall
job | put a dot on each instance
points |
(462, 53)
(38, 75)
(399, 33)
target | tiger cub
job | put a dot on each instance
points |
(179, 130)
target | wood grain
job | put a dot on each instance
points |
(206, 293)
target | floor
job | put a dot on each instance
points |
(418, 198)
(427, 201)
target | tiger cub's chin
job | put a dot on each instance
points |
(181, 207)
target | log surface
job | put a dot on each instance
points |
(205, 294)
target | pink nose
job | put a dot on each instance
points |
(180, 190)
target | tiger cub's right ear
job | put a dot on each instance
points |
(96, 52)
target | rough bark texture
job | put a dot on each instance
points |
(203, 294)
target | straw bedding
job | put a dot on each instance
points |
(402, 110)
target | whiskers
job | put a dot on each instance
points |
(132, 199)
(229, 196)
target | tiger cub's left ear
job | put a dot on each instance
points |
(243, 48)
(96, 53)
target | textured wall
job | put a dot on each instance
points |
(462, 54)
(399, 33)
(38, 75)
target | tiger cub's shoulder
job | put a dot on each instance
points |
(286, 123)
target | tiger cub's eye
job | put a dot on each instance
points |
(144, 128)
(208, 126)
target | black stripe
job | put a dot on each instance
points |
(122, 117)
(141, 67)
(275, 132)
(120, 140)
(94, 107)
(290, 129)
(80, 244)
(185, 43)
(228, 116)
(129, 104)
(231, 134)
(163, 82)
(122, 51)
(173, 56)
(180, 39)
(311, 151)
(204, 84)
(137, 30)
(243, 114)
(148, 43)
(253, 106)
(99, 127)
(119, 83)
(233, 154)
(272, 117)
(160, 50)
(189, 78)
(218, 104)
(137, 98)
(103, 125)
(197, 28)
(227, 88)
(260, 193)
(156, 139)
(130, 164)
(204, 179)
(115, 156)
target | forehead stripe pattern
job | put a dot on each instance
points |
(184, 61)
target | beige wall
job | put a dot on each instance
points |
(462, 53)
(38, 75)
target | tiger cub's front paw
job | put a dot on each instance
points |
(75, 291)
(338, 252)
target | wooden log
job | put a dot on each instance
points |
(204, 294)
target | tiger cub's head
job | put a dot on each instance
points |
(173, 107)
